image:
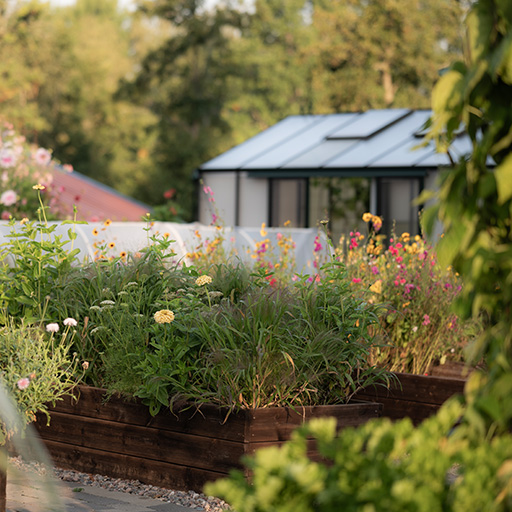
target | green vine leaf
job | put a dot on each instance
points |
(503, 175)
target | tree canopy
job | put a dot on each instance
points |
(138, 100)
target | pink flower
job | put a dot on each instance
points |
(318, 245)
(7, 158)
(169, 194)
(356, 280)
(8, 198)
(23, 383)
(69, 322)
(207, 190)
(52, 327)
(426, 320)
(42, 156)
(375, 270)
(399, 259)
(5, 215)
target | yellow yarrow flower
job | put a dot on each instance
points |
(164, 316)
(203, 280)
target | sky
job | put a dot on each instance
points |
(122, 3)
(62, 3)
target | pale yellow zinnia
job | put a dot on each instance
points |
(164, 316)
(377, 286)
(202, 280)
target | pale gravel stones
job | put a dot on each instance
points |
(190, 499)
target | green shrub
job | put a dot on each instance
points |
(381, 466)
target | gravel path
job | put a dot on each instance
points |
(188, 499)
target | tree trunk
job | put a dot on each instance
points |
(387, 82)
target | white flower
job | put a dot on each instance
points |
(107, 303)
(71, 322)
(52, 327)
(415, 328)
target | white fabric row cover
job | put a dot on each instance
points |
(130, 237)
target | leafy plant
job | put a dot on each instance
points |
(380, 466)
(475, 200)
(34, 264)
(36, 367)
(301, 344)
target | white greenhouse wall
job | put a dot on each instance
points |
(253, 205)
(223, 186)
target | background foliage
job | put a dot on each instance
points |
(139, 99)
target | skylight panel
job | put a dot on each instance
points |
(369, 123)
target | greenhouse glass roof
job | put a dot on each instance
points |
(367, 144)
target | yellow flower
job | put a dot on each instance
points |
(367, 217)
(23, 221)
(164, 316)
(202, 280)
(95, 232)
(38, 187)
(263, 231)
(107, 222)
(111, 245)
(123, 254)
(287, 223)
(376, 287)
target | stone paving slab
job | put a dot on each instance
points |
(28, 495)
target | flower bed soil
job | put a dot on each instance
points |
(414, 396)
(182, 451)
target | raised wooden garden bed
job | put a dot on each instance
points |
(182, 451)
(414, 396)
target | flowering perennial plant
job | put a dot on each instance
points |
(419, 328)
(22, 165)
(36, 367)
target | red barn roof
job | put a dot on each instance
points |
(95, 201)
